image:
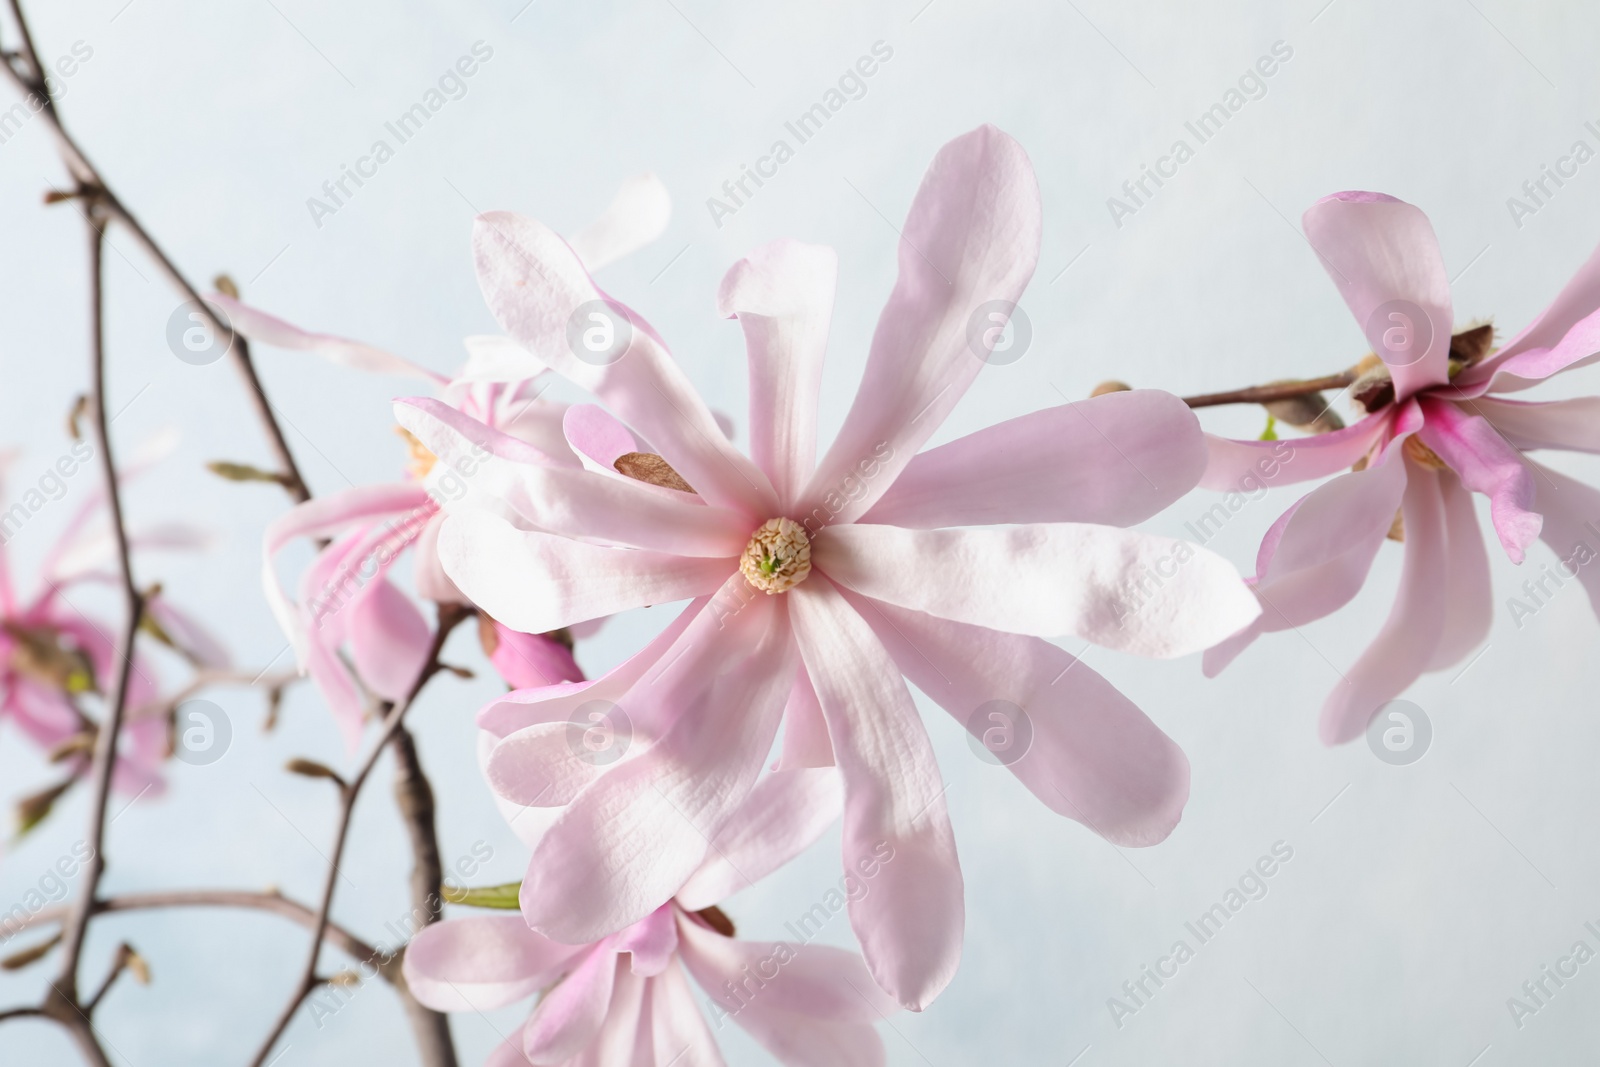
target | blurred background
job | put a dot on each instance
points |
(1418, 898)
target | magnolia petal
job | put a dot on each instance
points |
(785, 814)
(636, 216)
(1571, 425)
(1571, 528)
(328, 516)
(652, 942)
(554, 703)
(1383, 256)
(389, 639)
(818, 982)
(896, 829)
(537, 582)
(1122, 589)
(541, 766)
(535, 285)
(1250, 466)
(1316, 557)
(679, 1034)
(481, 962)
(782, 295)
(805, 732)
(627, 844)
(594, 435)
(572, 502)
(269, 330)
(1405, 645)
(1114, 460)
(569, 1016)
(1561, 336)
(1469, 609)
(528, 661)
(1092, 756)
(968, 250)
(1489, 464)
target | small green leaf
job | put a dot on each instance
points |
(244, 472)
(503, 897)
(1271, 432)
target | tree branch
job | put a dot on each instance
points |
(414, 797)
(449, 616)
(1266, 394)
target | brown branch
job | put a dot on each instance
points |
(414, 797)
(63, 1002)
(413, 791)
(1266, 394)
(449, 616)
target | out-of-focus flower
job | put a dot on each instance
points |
(54, 657)
(816, 587)
(346, 599)
(626, 998)
(1437, 429)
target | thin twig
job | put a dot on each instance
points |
(269, 901)
(449, 616)
(62, 1002)
(1266, 394)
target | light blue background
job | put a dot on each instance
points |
(1414, 905)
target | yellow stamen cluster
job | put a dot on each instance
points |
(1422, 455)
(778, 557)
(422, 460)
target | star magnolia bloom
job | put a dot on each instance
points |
(52, 655)
(821, 641)
(1446, 433)
(626, 999)
(346, 598)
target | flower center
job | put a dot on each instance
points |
(43, 654)
(422, 460)
(1423, 455)
(778, 557)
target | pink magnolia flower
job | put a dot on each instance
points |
(54, 655)
(346, 598)
(816, 587)
(626, 998)
(1438, 430)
